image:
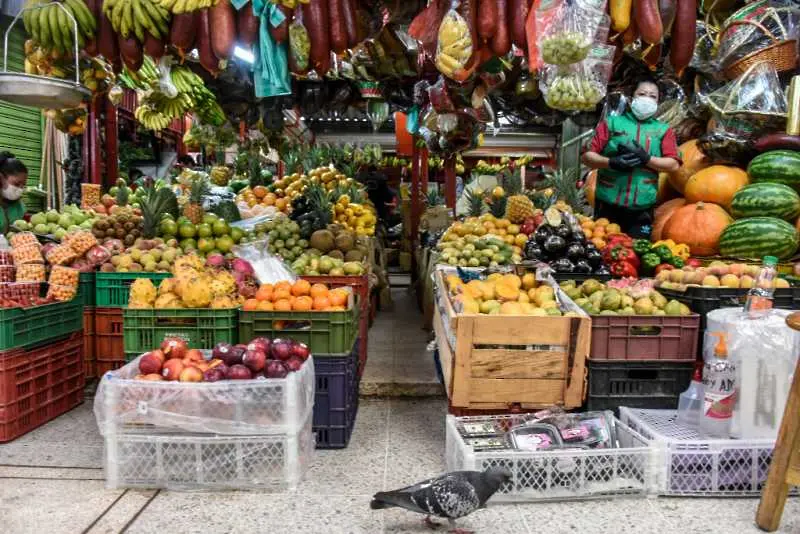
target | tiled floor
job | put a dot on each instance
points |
(51, 480)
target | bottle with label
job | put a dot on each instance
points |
(719, 391)
(759, 298)
(690, 403)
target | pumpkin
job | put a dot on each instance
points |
(698, 225)
(693, 161)
(665, 189)
(663, 214)
(590, 186)
(717, 184)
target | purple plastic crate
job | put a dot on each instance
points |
(335, 398)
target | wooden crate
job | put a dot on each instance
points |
(498, 362)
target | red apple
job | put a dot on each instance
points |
(294, 364)
(214, 374)
(174, 347)
(239, 372)
(275, 369)
(191, 374)
(259, 343)
(221, 350)
(254, 359)
(300, 350)
(150, 363)
(158, 353)
(281, 349)
(195, 355)
(172, 369)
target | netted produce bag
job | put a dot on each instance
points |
(578, 87)
(569, 28)
(761, 31)
(455, 43)
(752, 104)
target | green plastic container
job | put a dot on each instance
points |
(111, 289)
(324, 332)
(86, 290)
(26, 326)
(144, 330)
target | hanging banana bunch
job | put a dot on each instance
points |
(52, 28)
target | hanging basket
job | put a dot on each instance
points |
(781, 54)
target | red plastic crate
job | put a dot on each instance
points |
(644, 338)
(89, 356)
(39, 383)
(360, 287)
(109, 346)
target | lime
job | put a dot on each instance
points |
(205, 244)
(236, 234)
(209, 218)
(187, 230)
(225, 243)
(221, 227)
(204, 230)
(168, 227)
(188, 244)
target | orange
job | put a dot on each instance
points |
(319, 290)
(260, 191)
(250, 305)
(338, 297)
(283, 305)
(283, 284)
(301, 287)
(303, 303)
(281, 294)
(265, 305)
(264, 292)
(321, 303)
(281, 203)
(336, 308)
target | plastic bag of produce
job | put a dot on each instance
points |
(299, 45)
(751, 105)
(268, 268)
(568, 28)
(455, 43)
(578, 87)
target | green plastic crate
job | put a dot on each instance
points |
(144, 330)
(26, 326)
(111, 289)
(324, 332)
(86, 290)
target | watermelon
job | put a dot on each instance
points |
(756, 237)
(776, 166)
(767, 200)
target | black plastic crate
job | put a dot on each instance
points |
(335, 398)
(649, 385)
(580, 277)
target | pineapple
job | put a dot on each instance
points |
(474, 198)
(519, 207)
(497, 206)
(561, 187)
(194, 209)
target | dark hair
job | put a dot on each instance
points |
(645, 78)
(10, 165)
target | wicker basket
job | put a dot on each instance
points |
(782, 54)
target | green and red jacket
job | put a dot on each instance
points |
(636, 189)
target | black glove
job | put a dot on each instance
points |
(637, 150)
(624, 162)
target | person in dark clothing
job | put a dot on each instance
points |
(380, 194)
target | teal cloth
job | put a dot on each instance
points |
(412, 122)
(271, 66)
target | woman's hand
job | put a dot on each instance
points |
(663, 164)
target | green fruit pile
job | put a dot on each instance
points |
(57, 224)
(595, 298)
(471, 251)
(283, 238)
(312, 263)
(565, 48)
(213, 235)
(573, 92)
(146, 255)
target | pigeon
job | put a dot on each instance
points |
(451, 496)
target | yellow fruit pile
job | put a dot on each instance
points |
(488, 224)
(598, 231)
(504, 294)
(261, 196)
(359, 218)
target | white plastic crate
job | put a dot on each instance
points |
(694, 464)
(228, 407)
(204, 462)
(559, 475)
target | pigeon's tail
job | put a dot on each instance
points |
(385, 499)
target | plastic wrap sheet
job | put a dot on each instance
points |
(228, 407)
(570, 27)
(269, 268)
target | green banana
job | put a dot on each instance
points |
(55, 28)
(83, 16)
(45, 39)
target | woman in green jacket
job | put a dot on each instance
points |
(13, 177)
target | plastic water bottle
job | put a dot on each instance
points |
(719, 391)
(759, 298)
(690, 403)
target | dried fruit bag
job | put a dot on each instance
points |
(455, 44)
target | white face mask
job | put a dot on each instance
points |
(644, 107)
(12, 192)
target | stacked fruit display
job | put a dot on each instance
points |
(300, 295)
(562, 244)
(19, 294)
(283, 238)
(638, 298)
(504, 294)
(597, 232)
(211, 235)
(484, 241)
(195, 284)
(717, 274)
(259, 200)
(124, 225)
(57, 223)
(260, 358)
(145, 255)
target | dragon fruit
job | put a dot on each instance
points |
(196, 292)
(143, 291)
(238, 265)
(247, 287)
(223, 284)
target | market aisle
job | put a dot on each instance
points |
(396, 442)
(399, 364)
